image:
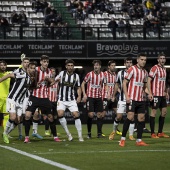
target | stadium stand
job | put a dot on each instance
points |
(75, 19)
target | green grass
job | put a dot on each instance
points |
(97, 154)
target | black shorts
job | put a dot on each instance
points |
(109, 105)
(158, 102)
(94, 104)
(136, 107)
(43, 104)
(54, 108)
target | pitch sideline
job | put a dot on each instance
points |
(47, 161)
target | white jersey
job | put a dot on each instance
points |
(68, 84)
(120, 77)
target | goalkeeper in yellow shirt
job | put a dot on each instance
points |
(4, 91)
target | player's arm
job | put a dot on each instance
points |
(84, 91)
(79, 94)
(116, 89)
(125, 90)
(11, 75)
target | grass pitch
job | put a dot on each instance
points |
(92, 154)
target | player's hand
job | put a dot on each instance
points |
(150, 97)
(113, 99)
(108, 96)
(78, 99)
(127, 99)
(84, 98)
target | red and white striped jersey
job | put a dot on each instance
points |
(94, 84)
(158, 84)
(137, 77)
(53, 92)
(42, 91)
(111, 81)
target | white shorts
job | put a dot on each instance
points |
(121, 107)
(13, 107)
(71, 105)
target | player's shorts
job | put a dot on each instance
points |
(95, 104)
(14, 107)
(54, 108)
(70, 105)
(136, 107)
(3, 105)
(121, 107)
(158, 102)
(109, 105)
(42, 103)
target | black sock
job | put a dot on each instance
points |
(89, 124)
(99, 126)
(47, 124)
(136, 122)
(152, 124)
(161, 124)
(27, 127)
(125, 127)
(140, 130)
(53, 128)
(102, 124)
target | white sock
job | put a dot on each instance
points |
(34, 127)
(115, 125)
(131, 129)
(138, 140)
(123, 138)
(20, 129)
(11, 128)
(63, 123)
(8, 126)
(78, 127)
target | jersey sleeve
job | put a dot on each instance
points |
(118, 77)
(77, 80)
(146, 77)
(129, 73)
(87, 77)
(58, 76)
(20, 75)
(153, 72)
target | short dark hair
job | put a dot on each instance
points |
(52, 68)
(26, 58)
(127, 59)
(110, 62)
(44, 57)
(69, 61)
(4, 62)
(96, 61)
(141, 54)
(161, 54)
(32, 63)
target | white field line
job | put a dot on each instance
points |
(85, 152)
(47, 161)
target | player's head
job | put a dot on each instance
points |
(111, 65)
(69, 65)
(141, 60)
(44, 61)
(31, 68)
(25, 63)
(3, 66)
(53, 70)
(128, 62)
(161, 59)
(97, 65)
